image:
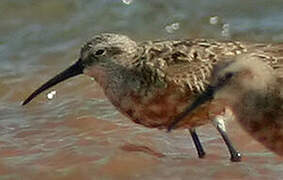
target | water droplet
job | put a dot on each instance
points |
(127, 1)
(88, 138)
(51, 94)
(225, 30)
(172, 27)
(214, 20)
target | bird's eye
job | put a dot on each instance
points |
(99, 52)
(228, 76)
(224, 79)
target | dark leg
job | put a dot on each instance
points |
(235, 155)
(197, 143)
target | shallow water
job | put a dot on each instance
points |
(78, 134)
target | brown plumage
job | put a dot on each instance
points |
(253, 91)
(153, 81)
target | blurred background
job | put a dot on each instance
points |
(73, 132)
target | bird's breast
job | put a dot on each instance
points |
(157, 109)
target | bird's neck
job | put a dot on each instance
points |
(115, 79)
(257, 106)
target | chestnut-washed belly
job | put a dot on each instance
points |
(159, 109)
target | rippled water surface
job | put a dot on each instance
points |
(79, 134)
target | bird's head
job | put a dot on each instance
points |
(102, 53)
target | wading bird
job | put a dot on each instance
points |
(252, 90)
(152, 82)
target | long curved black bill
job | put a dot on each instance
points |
(72, 71)
(204, 97)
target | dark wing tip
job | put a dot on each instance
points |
(205, 96)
